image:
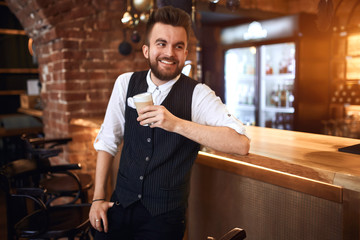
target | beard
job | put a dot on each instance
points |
(162, 74)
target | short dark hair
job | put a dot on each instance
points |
(168, 15)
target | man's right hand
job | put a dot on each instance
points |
(98, 215)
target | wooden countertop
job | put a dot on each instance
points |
(311, 157)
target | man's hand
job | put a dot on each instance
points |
(98, 215)
(158, 116)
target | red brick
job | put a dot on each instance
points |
(73, 96)
(50, 10)
(95, 54)
(96, 65)
(42, 3)
(74, 24)
(77, 84)
(64, 6)
(112, 55)
(100, 4)
(116, 5)
(73, 54)
(97, 75)
(100, 95)
(66, 65)
(89, 44)
(70, 33)
(71, 106)
(104, 25)
(81, 11)
(95, 106)
(75, 75)
(99, 85)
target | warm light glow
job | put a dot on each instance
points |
(30, 46)
(353, 68)
(353, 59)
(255, 31)
(263, 168)
(269, 29)
(353, 45)
(253, 50)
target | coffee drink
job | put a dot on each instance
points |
(142, 100)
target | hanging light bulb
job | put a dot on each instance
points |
(144, 17)
(127, 18)
(142, 5)
(214, 1)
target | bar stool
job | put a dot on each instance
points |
(57, 185)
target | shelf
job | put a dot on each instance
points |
(246, 77)
(12, 31)
(12, 92)
(19, 70)
(279, 109)
(245, 107)
(284, 76)
(31, 112)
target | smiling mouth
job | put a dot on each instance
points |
(168, 61)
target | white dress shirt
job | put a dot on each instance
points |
(207, 109)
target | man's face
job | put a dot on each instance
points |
(167, 51)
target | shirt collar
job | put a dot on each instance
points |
(163, 87)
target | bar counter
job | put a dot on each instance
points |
(292, 185)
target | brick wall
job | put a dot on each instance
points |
(76, 47)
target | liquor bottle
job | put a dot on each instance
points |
(284, 95)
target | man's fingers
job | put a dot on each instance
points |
(98, 225)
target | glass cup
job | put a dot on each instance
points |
(142, 100)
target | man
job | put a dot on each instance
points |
(150, 198)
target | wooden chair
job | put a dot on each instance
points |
(40, 150)
(233, 234)
(26, 173)
(29, 217)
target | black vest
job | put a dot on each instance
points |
(155, 165)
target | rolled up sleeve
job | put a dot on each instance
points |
(112, 128)
(208, 109)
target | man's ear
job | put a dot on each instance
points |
(145, 50)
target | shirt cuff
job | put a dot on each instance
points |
(100, 145)
(239, 127)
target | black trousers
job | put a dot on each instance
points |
(136, 223)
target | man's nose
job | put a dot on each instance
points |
(169, 51)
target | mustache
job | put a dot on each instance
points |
(169, 59)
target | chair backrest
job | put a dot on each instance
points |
(20, 202)
(233, 234)
(39, 148)
(28, 216)
(29, 173)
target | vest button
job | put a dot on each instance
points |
(147, 159)
(148, 140)
(139, 196)
(141, 177)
